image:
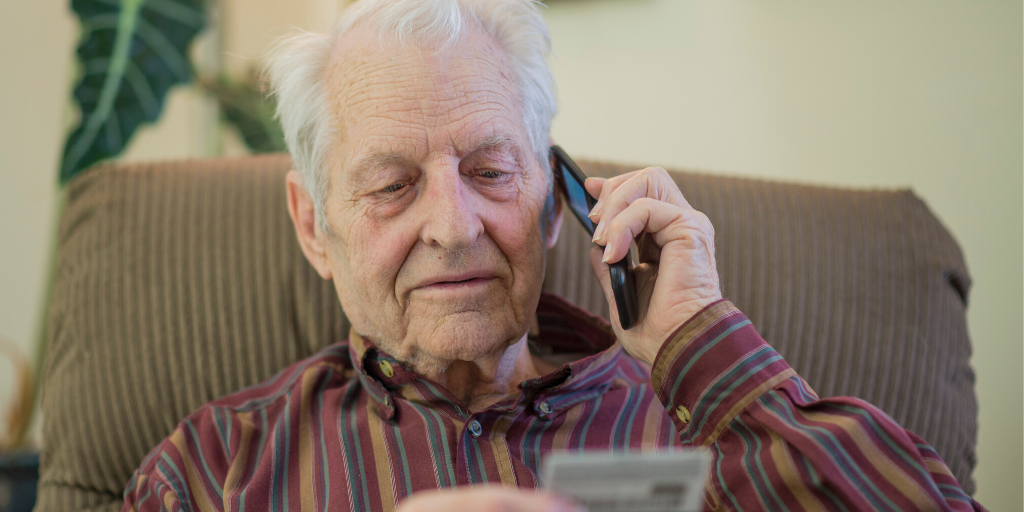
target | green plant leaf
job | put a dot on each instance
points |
(132, 52)
(248, 107)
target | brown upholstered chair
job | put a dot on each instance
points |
(179, 282)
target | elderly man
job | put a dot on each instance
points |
(419, 130)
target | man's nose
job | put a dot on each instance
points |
(451, 212)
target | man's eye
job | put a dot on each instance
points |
(492, 174)
(394, 188)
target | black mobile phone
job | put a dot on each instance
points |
(570, 179)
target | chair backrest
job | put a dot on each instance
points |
(179, 282)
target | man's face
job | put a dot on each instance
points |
(435, 200)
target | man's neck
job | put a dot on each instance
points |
(484, 382)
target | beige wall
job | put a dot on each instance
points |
(920, 94)
(36, 41)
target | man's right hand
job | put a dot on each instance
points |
(482, 498)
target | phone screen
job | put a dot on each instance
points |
(571, 179)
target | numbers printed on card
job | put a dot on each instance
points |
(671, 481)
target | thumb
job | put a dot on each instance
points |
(605, 279)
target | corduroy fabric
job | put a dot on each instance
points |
(179, 282)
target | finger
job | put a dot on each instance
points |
(605, 190)
(594, 185)
(665, 222)
(610, 184)
(653, 182)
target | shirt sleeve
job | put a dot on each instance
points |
(774, 444)
(186, 471)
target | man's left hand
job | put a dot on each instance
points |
(676, 276)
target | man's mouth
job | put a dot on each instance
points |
(455, 285)
(465, 281)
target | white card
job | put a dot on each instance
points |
(666, 481)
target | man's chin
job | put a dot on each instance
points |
(465, 335)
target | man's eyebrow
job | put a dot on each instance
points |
(495, 141)
(367, 162)
(500, 142)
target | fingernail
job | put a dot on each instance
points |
(597, 209)
(598, 232)
(607, 253)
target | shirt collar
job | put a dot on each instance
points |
(585, 343)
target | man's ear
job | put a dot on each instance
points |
(303, 213)
(553, 222)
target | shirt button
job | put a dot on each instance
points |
(474, 428)
(387, 401)
(544, 408)
(386, 369)
(683, 413)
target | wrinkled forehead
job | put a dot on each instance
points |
(407, 98)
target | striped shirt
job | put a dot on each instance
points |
(351, 429)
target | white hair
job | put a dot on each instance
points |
(297, 70)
